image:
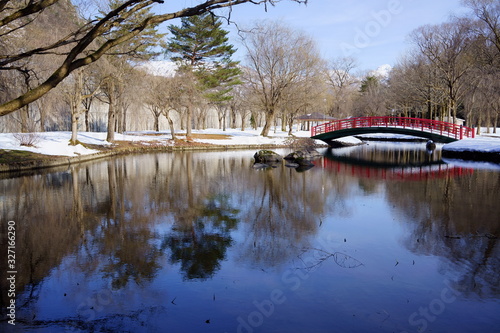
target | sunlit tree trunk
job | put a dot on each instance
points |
(111, 120)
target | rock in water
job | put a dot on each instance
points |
(303, 157)
(267, 157)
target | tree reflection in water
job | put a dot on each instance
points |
(442, 222)
(200, 244)
(437, 202)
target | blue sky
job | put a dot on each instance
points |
(375, 32)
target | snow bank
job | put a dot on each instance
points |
(479, 144)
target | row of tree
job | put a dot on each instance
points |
(452, 71)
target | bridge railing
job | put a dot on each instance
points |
(433, 126)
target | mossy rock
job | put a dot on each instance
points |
(267, 156)
(303, 157)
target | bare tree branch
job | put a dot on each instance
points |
(31, 8)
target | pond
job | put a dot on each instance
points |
(384, 237)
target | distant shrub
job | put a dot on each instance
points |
(301, 142)
(28, 139)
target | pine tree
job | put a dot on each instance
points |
(142, 46)
(201, 46)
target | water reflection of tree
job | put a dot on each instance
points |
(103, 215)
(50, 219)
(456, 218)
(200, 244)
(125, 236)
(282, 209)
(394, 154)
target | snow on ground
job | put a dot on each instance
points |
(48, 143)
(248, 136)
(56, 143)
(488, 144)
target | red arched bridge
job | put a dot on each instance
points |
(438, 131)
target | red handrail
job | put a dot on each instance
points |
(433, 126)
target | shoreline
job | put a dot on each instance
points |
(473, 156)
(20, 160)
(50, 161)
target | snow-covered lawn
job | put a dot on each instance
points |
(56, 143)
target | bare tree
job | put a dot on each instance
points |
(340, 78)
(454, 68)
(278, 58)
(447, 47)
(488, 14)
(482, 98)
(415, 89)
(162, 98)
(241, 104)
(74, 94)
(189, 97)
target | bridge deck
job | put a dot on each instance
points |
(438, 131)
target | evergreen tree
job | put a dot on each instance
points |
(369, 83)
(200, 45)
(142, 46)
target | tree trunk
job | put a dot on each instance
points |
(87, 124)
(242, 123)
(43, 115)
(488, 122)
(269, 122)
(495, 123)
(24, 119)
(224, 120)
(124, 119)
(74, 125)
(290, 125)
(171, 125)
(233, 117)
(188, 121)
(118, 118)
(111, 122)
(156, 124)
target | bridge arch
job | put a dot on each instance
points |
(438, 131)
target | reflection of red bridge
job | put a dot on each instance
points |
(438, 131)
(433, 171)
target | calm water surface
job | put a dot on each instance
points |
(379, 238)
